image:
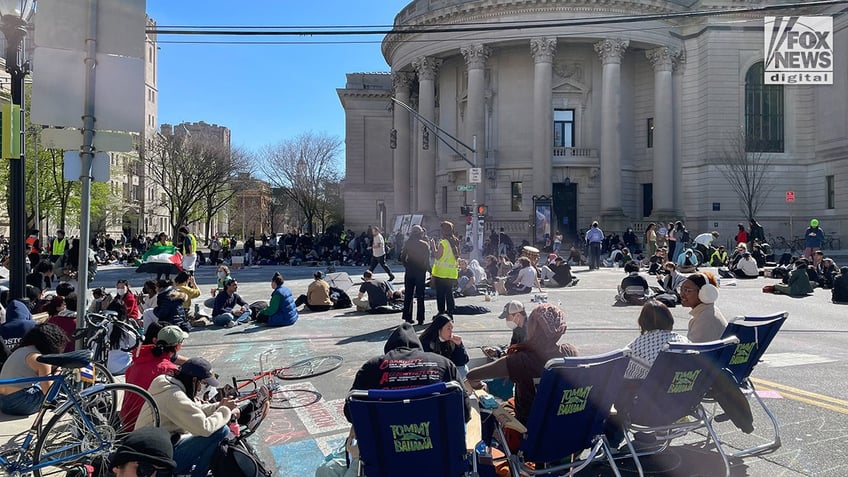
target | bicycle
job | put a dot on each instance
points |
(832, 243)
(82, 430)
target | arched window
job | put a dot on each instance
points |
(763, 112)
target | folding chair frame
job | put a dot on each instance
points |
(665, 433)
(600, 447)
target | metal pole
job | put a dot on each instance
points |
(475, 224)
(37, 204)
(87, 157)
(14, 31)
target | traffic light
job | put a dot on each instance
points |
(425, 139)
(481, 210)
(466, 210)
(393, 139)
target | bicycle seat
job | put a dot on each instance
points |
(73, 360)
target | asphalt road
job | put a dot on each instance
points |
(800, 376)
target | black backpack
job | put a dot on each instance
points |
(339, 298)
(236, 459)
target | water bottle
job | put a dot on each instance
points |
(718, 280)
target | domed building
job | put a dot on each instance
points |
(579, 112)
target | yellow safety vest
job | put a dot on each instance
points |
(58, 246)
(193, 244)
(445, 267)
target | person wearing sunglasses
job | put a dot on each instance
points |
(145, 452)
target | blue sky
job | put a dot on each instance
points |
(264, 93)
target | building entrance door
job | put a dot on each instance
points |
(565, 209)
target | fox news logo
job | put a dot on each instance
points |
(799, 50)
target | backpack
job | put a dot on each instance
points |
(339, 298)
(234, 459)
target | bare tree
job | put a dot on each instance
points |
(301, 167)
(748, 173)
(223, 176)
(189, 170)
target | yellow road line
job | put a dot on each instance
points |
(814, 399)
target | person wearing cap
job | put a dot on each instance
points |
(515, 317)
(152, 361)
(199, 427)
(144, 452)
(415, 258)
(746, 267)
(813, 238)
(700, 292)
(525, 361)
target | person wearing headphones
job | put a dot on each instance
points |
(700, 292)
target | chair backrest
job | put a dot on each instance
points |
(573, 398)
(412, 432)
(755, 333)
(678, 381)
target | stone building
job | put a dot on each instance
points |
(624, 123)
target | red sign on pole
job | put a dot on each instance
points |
(790, 196)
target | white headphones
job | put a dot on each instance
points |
(708, 294)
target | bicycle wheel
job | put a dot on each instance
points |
(84, 432)
(309, 367)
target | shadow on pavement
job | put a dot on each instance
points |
(378, 336)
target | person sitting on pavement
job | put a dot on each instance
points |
(827, 271)
(669, 289)
(515, 317)
(466, 283)
(317, 296)
(222, 275)
(25, 399)
(700, 292)
(799, 281)
(439, 338)
(153, 360)
(224, 312)
(523, 282)
(719, 257)
(704, 243)
(634, 288)
(746, 267)
(557, 274)
(101, 301)
(125, 295)
(525, 361)
(186, 284)
(169, 306)
(282, 310)
(687, 261)
(378, 291)
(41, 276)
(18, 323)
(201, 426)
(404, 364)
(839, 293)
(758, 255)
(144, 452)
(66, 318)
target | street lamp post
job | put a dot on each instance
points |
(14, 15)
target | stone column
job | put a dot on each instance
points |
(475, 112)
(543, 51)
(401, 81)
(611, 52)
(427, 68)
(663, 59)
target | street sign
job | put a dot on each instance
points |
(466, 188)
(475, 175)
(790, 196)
(70, 138)
(72, 167)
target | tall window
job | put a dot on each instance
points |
(517, 196)
(444, 199)
(563, 128)
(831, 193)
(650, 131)
(763, 113)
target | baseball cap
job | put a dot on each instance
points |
(511, 307)
(171, 335)
(201, 369)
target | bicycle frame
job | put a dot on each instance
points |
(60, 384)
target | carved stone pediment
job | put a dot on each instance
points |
(570, 77)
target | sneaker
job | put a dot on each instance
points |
(230, 324)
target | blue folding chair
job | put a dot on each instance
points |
(411, 432)
(573, 400)
(668, 403)
(755, 333)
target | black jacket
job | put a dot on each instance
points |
(404, 365)
(415, 255)
(840, 287)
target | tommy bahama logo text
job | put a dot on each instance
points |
(683, 381)
(573, 400)
(742, 353)
(412, 437)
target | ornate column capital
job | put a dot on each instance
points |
(402, 79)
(427, 67)
(543, 49)
(663, 58)
(476, 55)
(611, 51)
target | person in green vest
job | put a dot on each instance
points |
(444, 273)
(58, 247)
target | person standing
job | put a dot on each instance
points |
(60, 244)
(415, 258)
(378, 253)
(33, 248)
(444, 273)
(594, 237)
(188, 248)
(215, 248)
(651, 239)
(813, 238)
